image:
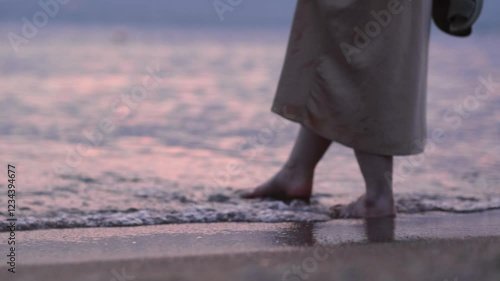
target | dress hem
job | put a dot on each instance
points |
(343, 142)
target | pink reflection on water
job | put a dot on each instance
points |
(206, 116)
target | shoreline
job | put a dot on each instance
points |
(179, 240)
(433, 246)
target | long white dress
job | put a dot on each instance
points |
(355, 72)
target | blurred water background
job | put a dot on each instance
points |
(87, 154)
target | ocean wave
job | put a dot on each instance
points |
(224, 208)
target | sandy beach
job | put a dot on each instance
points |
(431, 246)
(457, 259)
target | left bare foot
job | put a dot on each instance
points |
(381, 206)
(288, 184)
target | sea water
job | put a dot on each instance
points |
(91, 147)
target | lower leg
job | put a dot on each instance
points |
(377, 173)
(378, 200)
(309, 148)
(294, 180)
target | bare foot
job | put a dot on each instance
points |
(287, 184)
(381, 206)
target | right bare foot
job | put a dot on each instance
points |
(375, 207)
(287, 184)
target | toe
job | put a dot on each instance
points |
(258, 192)
(336, 211)
(250, 195)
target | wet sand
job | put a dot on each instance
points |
(431, 246)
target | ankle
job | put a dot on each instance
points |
(380, 194)
(298, 167)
